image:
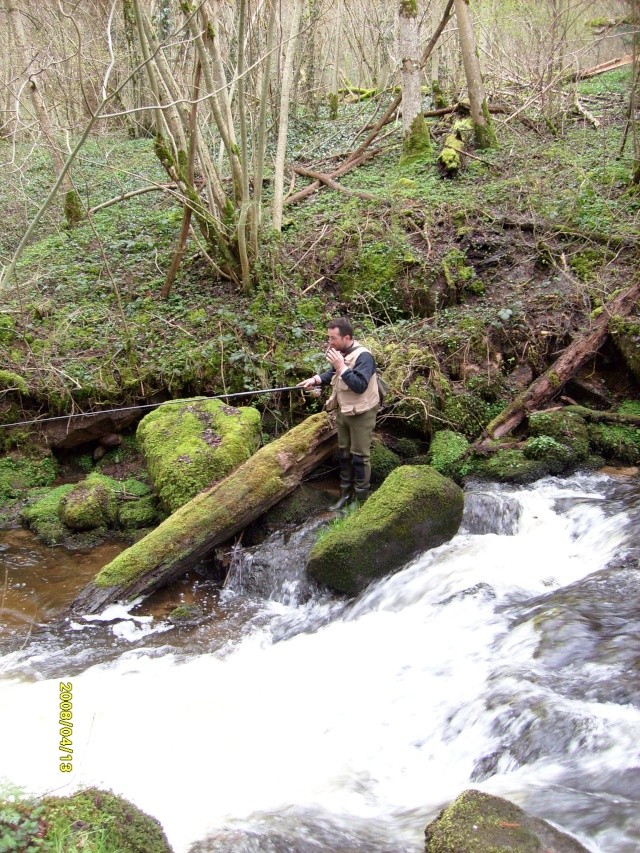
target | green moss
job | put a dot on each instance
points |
(12, 382)
(91, 504)
(383, 462)
(43, 517)
(333, 106)
(408, 8)
(459, 275)
(616, 442)
(261, 483)
(630, 407)
(566, 428)
(18, 473)
(467, 414)
(413, 510)
(417, 142)
(506, 466)
(73, 209)
(625, 333)
(96, 821)
(446, 450)
(557, 456)
(136, 515)
(408, 448)
(481, 823)
(189, 447)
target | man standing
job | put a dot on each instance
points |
(356, 398)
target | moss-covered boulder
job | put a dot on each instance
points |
(91, 504)
(92, 820)
(481, 823)
(383, 462)
(415, 509)
(446, 452)
(506, 466)
(625, 333)
(616, 442)
(42, 514)
(191, 446)
(566, 427)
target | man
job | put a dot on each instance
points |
(356, 399)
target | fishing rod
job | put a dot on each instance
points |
(155, 405)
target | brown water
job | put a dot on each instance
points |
(37, 581)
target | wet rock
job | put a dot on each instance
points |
(87, 428)
(415, 509)
(112, 439)
(476, 823)
(185, 615)
(90, 505)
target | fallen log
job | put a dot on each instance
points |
(602, 68)
(212, 517)
(551, 382)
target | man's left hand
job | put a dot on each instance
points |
(337, 359)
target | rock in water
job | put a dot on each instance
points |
(415, 509)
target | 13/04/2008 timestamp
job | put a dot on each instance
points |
(66, 727)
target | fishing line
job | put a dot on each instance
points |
(153, 405)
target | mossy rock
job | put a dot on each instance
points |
(91, 820)
(42, 515)
(625, 334)
(616, 442)
(557, 456)
(506, 466)
(19, 473)
(480, 823)
(139, 514)
(446, 450)
(566, 427)
(91, 504)
(407, 448)
(383, 462)
(415, 509)
(191, 446)
(467, 413)
(186, 615)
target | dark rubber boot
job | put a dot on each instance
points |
(362, 473)
(360, 495)
(343, 500)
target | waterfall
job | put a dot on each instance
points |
(506, 659)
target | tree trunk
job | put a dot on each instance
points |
(285, 95)
(73, 208)
(212, 517)
(416, 140)
(572, 359)
(482, 126)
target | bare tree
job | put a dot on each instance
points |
(416, 141)
(484, 134)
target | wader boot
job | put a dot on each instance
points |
(346, 481)
(362, 472)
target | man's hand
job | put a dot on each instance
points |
(337, 360)
(309, 383)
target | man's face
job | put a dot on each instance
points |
(336, 340)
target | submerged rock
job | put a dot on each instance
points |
(415, 509)
(190, 446)
(478, 823)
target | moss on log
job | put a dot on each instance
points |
(212, 517)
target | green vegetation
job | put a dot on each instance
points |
(191, 446)
(90, 821)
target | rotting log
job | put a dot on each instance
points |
(212, 517)
(551, 382)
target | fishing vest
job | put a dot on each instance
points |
(346, 400)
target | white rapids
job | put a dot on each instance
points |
(374, 720)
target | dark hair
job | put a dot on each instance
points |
(342, 325)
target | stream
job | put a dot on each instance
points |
(290, 720)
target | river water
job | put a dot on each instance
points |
(288, 720)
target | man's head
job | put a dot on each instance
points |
(340, 334)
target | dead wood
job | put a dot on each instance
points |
(212, 517)
(547, 386)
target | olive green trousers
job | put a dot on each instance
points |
(354, 436)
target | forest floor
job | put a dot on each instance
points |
(490, 272)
